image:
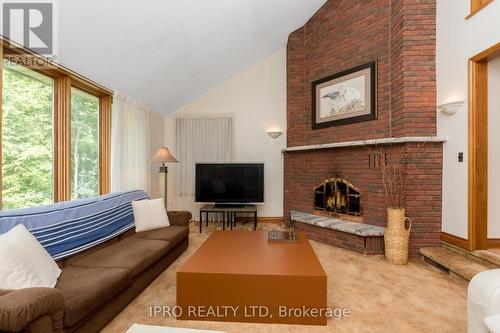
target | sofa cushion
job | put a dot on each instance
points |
(25, 263)
(172, 234)
(131, 253)
(86, 288)
(150, 214)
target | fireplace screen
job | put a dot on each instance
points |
(338, 196)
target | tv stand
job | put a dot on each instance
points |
(228, 214)
(229, 205)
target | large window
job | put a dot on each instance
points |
(27, 143)
(84, 145)
(55, 131)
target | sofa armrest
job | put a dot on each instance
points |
(180, 218)
(493, 323)
(19, 308)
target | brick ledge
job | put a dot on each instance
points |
(372, 142)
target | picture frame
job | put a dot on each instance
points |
(346, 97)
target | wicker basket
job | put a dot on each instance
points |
(396, 236)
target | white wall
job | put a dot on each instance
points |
(494, 148)
(458, 40)
(257, 99)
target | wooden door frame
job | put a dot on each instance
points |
(478, 150)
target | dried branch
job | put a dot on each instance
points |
(393, 169)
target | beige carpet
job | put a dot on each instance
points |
(381, 297)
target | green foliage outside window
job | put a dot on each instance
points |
(27, 178)
(27, 140)
(84, 145)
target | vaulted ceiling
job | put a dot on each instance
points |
(166, 53)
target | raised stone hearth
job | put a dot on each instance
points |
(359, 237)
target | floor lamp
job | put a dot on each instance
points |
(164, 156)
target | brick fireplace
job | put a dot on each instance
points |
(400, 36)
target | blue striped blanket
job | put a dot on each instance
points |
(67, 228)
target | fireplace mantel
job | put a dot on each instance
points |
(373, 142)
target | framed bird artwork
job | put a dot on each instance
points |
(346, 97)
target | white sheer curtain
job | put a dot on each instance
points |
(130, 144)
(200, 138)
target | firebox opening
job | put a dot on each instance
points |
(338, 196)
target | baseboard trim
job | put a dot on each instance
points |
(455, 240)
(493, 243)
(274, 220)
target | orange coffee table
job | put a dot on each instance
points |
(240, 276)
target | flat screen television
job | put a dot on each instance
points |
(230, 183)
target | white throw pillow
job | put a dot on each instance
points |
(150, 214)
(24, 261)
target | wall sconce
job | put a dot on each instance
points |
(450, 108)
(274, 134)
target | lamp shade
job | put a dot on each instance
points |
(164, 155)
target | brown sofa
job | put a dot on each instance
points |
(97, 284)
